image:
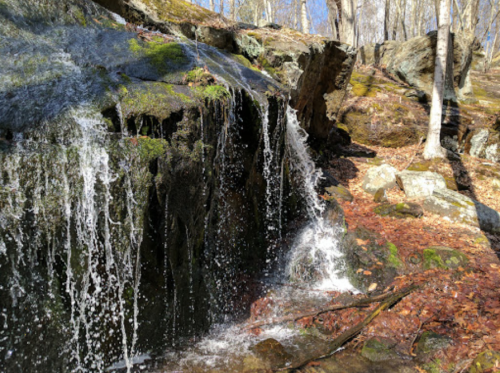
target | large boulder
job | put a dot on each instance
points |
(413, 62)
(383, 176)
(420, 184)
(458, 208)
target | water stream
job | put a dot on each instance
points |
(73, 206)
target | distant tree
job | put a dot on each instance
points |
(433, 147)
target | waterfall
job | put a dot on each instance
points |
(67, 197)
(315, 258)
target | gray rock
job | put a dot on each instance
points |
(459, 208)
(492, 153)
(413, 63)
(478, 142)
(383, 176)
(420, 184)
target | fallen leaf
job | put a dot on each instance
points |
(361, 242)
(372, 287)
(367, 273)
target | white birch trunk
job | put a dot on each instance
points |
(303, 17)
(433, 147)
(348, 21)
(232, 10)
(212, 5)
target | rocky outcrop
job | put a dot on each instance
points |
(413, 62)
(461, 209)
(418, 184)
(316, 69)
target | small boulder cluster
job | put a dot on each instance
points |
(428, 192)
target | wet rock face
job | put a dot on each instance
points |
(317, 70)
(125, 184)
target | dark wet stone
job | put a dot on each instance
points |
(272, 352)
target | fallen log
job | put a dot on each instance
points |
(294, 317)
(334, 345)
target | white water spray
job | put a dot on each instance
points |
(315, 256)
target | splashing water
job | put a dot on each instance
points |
(315, 257)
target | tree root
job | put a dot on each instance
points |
(294, 317)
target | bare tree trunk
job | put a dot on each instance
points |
(303, 17)
(212, 5)
(396, 22)
(387, 19)
(333, 12)
(413, 27)
(269, 12)
(232, 10)
(403, 25)
(221, 7)
(433, 147)
(420, 18)
(348, 23)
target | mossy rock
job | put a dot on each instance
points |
(443, 257)
(272, 352)
(486, 361)
(400, 210)
(430, 343)
(369, 262)
(380, 196)
(379, 349)
(340, 192)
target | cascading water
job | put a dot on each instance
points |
(92, 259)
(100, 226)
(314, 258)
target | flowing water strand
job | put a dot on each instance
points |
(316, 256)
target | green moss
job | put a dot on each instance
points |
(213, 92)
(245, 62)
(433, 367)
(393, 258)
(80, 17)
(161, 55)
(156, 99)
(150, 149)
(432, 260)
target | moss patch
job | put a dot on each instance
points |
(163, 56)
(393, 258)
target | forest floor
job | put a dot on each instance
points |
(458, 309)
(461, 304)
